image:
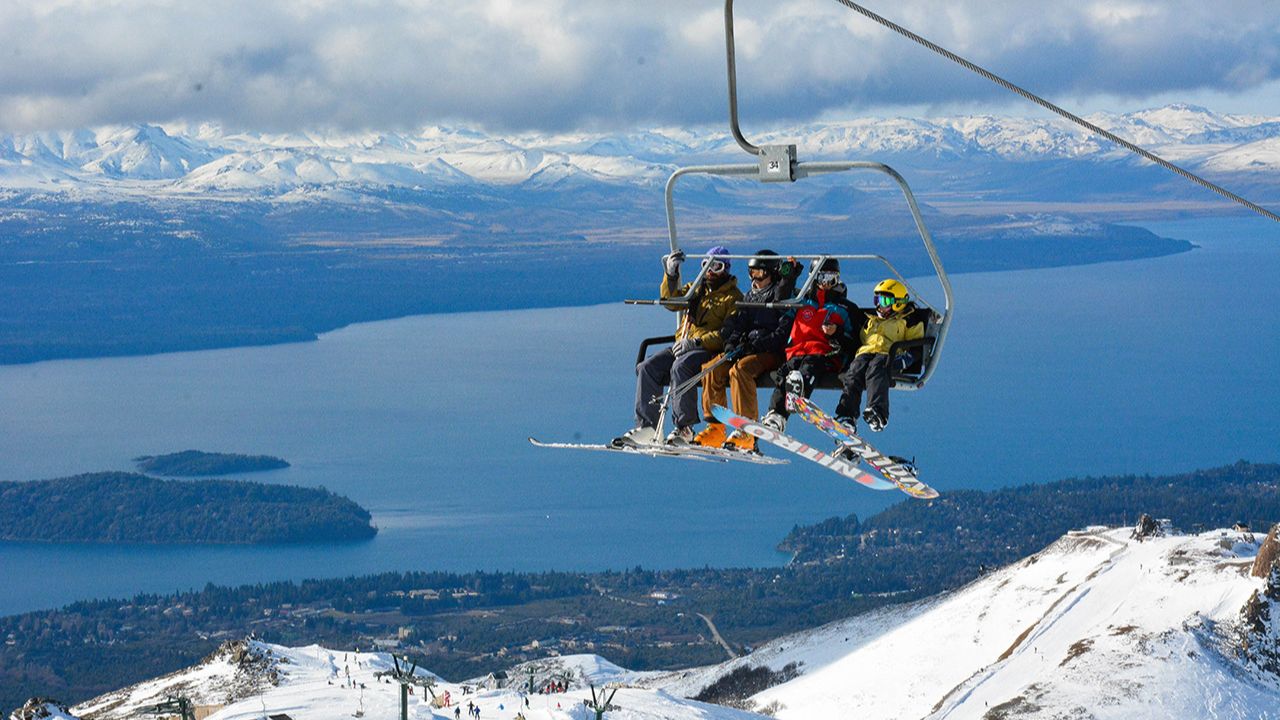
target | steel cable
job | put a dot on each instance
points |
(1057, 110)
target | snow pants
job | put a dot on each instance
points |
(813, 369)
(740, 378)
(870, 372)
(655, 372)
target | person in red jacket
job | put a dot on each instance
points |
(817, 334)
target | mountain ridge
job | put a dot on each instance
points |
(170, 158)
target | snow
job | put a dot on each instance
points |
(1097, 625)
(317, 683)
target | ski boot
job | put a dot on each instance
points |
(873, 419)
(682, 435)
(774, 421)
(741, 442)
(712, 436)
(795, 386)
(636, 437)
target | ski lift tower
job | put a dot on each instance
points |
(179, 706)
(404, 674)
(601, 703)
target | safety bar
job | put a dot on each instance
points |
(808, 169)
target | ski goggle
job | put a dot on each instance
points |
(826, 278)
(885, 301)
(715, 267)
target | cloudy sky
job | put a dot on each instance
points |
(506, 65)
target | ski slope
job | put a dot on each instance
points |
(1100, 624)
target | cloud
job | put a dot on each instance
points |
(597, 64)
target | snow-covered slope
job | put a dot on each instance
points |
(1101, 624)
(251, 680)
(1096, 625)
(181, 159)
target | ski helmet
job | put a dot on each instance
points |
(891, 293)
(712, 254)
(826, 272)
(769, 264)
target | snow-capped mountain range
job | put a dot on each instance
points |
(1103, 623)
(185, 160)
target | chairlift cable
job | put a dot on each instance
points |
(1057, 110)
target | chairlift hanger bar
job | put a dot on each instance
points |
(808, 169)
(762, 152)
(683, 302)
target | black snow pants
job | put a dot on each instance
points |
(870, 372)
(813, 369)
(655, 372)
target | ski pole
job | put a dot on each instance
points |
(684, 387)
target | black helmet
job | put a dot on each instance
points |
(828, 265)
(768, 263)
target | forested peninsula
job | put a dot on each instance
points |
(196, 463)
(117, 507)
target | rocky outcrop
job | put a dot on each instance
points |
(1260, 623)
(1267, 553)
(38, 708)
(1146, 527)
(254, 664)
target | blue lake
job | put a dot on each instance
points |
(1156, 366)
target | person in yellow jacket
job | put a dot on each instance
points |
(697, 341)
(871, 368)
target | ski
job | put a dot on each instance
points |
(688, 452)
(899, 473)
(790, 444)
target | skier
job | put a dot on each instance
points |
(714, 300)
(751, 335)
(818, 332)
(871, 368)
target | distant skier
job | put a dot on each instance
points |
(817, 334)
(713, 300)
(872, 368)
(751, 333)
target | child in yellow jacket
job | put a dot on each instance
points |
(871, 368)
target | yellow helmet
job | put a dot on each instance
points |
(891, 293)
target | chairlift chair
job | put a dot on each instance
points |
(776, 164)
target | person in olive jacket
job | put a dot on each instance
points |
(697, 340)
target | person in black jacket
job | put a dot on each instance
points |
(753, 346)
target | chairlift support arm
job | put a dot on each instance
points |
(810, 169)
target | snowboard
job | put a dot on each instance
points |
(790, 444)
(687, 452)
(899, 473)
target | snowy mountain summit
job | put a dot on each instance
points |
(1104, 623)
(182, 161)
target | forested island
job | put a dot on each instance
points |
(196, 463)
(466, 624)
(117, 507)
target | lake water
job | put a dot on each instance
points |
(1156, 366)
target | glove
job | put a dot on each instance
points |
(753, 340)
(671, 263)
(686, 345)
(789, 268)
